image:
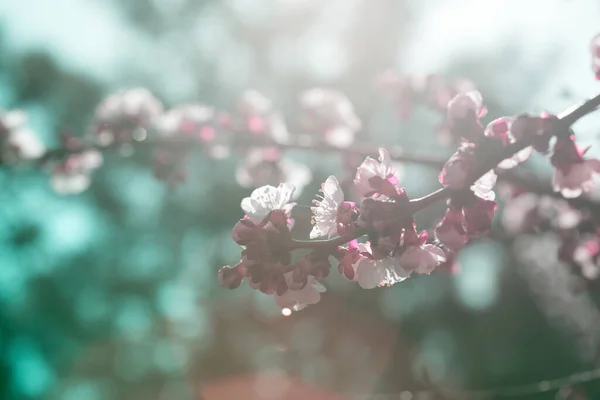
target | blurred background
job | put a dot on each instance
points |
(112, 293)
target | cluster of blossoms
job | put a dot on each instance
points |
(391, 249)
(393, 252)
(128, 117)
(373, 239)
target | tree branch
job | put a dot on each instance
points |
(565, 119)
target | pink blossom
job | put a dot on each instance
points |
(348, 259)
(573, 175)
(121, 113)
(332, 114)
(418, 256)
(268, 166)
(534, 128)
(450, 231)
(374, 176)
(265, 254)
(501, 129)
(265, 234)
(372, 272)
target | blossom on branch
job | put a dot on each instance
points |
(19, 143)
(348, 258)
(385, 220)
(121, 115)
(418, 256)
(501, 129)
(332, 215)
(573, 175)
(264, 234)
(376, 177)
(372, 272)
(266, 199)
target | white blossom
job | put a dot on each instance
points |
(326, 210)
(374, 273)
(371, 168)
(266, 199)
